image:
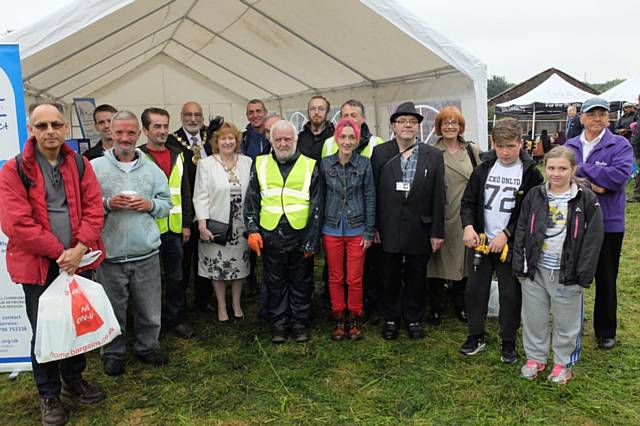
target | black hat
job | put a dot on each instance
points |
(407, 108)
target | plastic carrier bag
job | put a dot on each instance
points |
(74, 317)
(493, 309)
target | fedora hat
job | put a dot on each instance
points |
(406, 108)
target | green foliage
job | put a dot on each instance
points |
(496, 85)
(603, 87)
(231, 374)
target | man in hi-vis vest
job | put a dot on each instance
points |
(282, 215)
(175, 229)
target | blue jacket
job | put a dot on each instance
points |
(254, 144)
(349, 192)
(608, 166)
(129, 235)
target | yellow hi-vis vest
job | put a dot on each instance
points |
(173, 222)
(330, 146)
(290, 198)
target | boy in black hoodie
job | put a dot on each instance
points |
(491, 205)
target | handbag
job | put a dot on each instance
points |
(221, 231)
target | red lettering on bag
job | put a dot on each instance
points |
(85, 318)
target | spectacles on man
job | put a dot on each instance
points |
(597, 114)
(402, 122)
(55, 125)
(318, 109)
(450, 123)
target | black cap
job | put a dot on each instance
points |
(407, 108)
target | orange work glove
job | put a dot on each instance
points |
(255, 242)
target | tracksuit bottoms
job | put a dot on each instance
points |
(544, 295)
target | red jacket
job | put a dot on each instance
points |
(24, 218)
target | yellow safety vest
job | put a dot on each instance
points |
(290, 198)
(173, 222)
(330, 146)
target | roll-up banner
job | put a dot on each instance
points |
(15, 331)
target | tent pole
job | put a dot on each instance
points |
(494, 119)
(375, 111)
(533, 123)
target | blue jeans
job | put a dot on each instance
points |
(140, 281)
(174, 288)
(47, 375)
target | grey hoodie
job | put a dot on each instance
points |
(129, 235)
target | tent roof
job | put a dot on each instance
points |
(266, 49)
(627, 91)
(553, 90)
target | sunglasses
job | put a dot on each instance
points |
(55, 125)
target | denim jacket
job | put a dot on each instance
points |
(350, 191)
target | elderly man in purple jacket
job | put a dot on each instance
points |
(604, 159)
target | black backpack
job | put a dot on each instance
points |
(27, 182)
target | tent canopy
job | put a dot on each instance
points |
(627, 91)
(552, 96)
(135, 53)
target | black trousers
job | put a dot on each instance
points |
(47, 375)
(606, 303)
(372, 279)
(288, 276)
(174, 285)
(202, 287)
(478, 291)
(456, 292)
(404, 282)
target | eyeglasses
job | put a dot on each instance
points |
(409, 122)
(450, 123)
(55, 125)
(597, 114)
(318, 109)
(192, 114)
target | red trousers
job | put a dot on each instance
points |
(336, 250)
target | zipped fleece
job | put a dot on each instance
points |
(582, 243)
(129, 235)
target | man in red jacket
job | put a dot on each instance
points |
(52, 218)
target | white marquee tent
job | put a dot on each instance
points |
(137, 53)
(627, 91)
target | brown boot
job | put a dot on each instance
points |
(53, 412)
(339, 332)
(355, 327)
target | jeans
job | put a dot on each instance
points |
(47, 375)
(337, 250)
(174, 288)
(140, 281)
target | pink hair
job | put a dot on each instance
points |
(347, 122)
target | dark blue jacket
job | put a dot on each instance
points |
(254, 144)
(350, 192)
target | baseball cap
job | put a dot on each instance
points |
(595, 102)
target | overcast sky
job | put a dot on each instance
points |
(589, 39)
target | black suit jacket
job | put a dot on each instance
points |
(407, 224)
(575, 127)
(190, 168)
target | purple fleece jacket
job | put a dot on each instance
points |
(608, 166)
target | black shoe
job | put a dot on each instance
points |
(415, 330)
(88, 393)
(278, 337)
(434, 318)
(373, 318)
(238, 318)
(300, 334)
(153, 358)
(462, 315)
(390, 330)
(473, 345)
(53, 412)
(606, 342)
(183, 331)
(113, 366)
(508, 354)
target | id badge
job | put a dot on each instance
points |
(403, 186)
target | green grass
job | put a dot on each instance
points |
(231, 374)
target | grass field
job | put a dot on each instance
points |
(231, 374)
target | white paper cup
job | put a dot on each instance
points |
(129, 193)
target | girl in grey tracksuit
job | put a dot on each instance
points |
(556, 248)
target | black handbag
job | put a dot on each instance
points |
(221, 231)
